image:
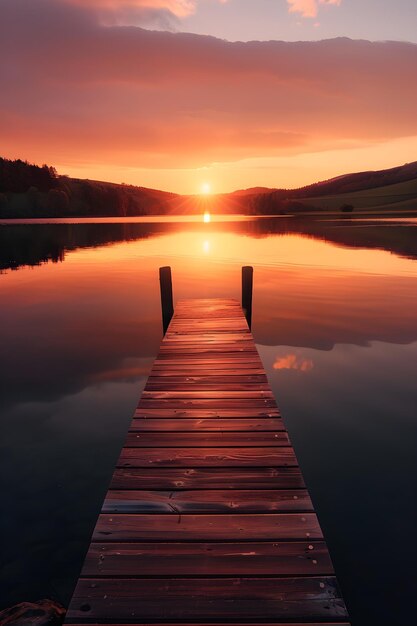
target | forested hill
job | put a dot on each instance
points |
(28, 190)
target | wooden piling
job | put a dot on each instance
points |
(167, 302)
(247, 290)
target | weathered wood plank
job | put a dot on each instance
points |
(208, 403)
(201, 413)
(217, 439)
(208, 599)
(163, 385)
(226, 368)
(203, 425)
(177, 527)
(208, 478)
(207, 457)
(218, 396)
(135, 623)
(237, 358)
(185, 338)
(211, 501)
(208, 377)
(208, 559)
(207, 365)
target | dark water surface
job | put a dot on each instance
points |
(335, 321)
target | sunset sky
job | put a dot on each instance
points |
(192, 95)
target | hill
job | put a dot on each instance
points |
(251, 191)
(393, 189)
(28, 191)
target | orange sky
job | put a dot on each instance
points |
(176, 111)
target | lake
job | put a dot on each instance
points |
(335, 322)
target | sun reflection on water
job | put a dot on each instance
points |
(206, 217)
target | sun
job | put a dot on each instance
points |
(206, 188)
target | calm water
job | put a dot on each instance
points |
(335, 321)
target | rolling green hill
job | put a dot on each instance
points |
(400, 196)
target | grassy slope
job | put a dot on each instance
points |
(401, 196)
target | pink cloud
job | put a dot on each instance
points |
(293, 362)
(180, 8)
(74, 90)
(309, 8)
(139, 11)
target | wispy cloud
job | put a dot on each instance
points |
(309, 8)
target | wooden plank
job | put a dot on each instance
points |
(208, 599)
(177, 527)
(218, 425)
(209, 377)
(207, 403)
(207, 457)
(208, 478)
(138, 439)
(228, 367)
(185, 338)
(304, 623)
(204, 413)
(218, 396)
(208, 356)
(208, 559)
(211, 501)
(183, 351)
(161, 384)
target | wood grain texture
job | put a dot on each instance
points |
(204, 425)
(207, 457)
(208, 478)
(193, 413)
(225, 527)
(208, 559)
(208, 599)
(304, 623)
(207, 519)
(139, 439)
(212, 501)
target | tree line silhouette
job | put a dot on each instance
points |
(19, 176)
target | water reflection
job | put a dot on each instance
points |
(335, 318)
(37, 242)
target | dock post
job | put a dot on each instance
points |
(247, 289)
(167, 303)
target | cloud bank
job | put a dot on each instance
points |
(158, 13)
(76, 91)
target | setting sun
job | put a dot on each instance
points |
(206, 188)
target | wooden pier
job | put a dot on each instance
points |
(207, 519)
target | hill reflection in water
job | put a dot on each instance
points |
(34, 243)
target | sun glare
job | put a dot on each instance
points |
(205, 188)
(206, 217)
